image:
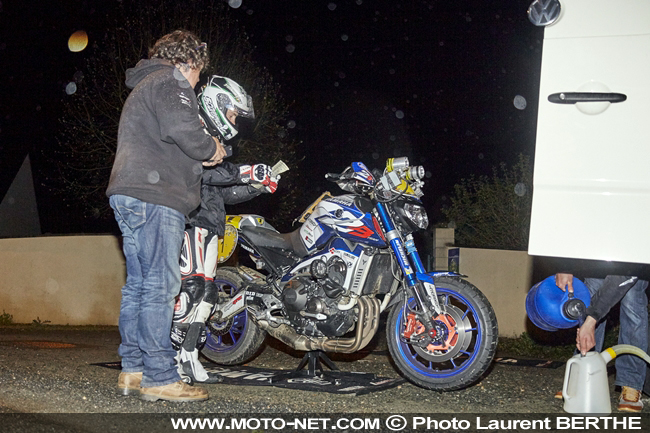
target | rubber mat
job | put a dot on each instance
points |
(332, 381)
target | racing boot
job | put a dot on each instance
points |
(191, 369)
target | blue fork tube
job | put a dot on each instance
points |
(395, 241)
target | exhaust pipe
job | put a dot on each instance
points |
(367, 326)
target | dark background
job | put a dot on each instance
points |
(366, 80)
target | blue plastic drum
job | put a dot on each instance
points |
(551, 309)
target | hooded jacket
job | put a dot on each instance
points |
(160, 141)
(222, 185)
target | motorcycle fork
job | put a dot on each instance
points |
(439, 328)
(409, 261)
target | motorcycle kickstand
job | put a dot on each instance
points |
(312, 360)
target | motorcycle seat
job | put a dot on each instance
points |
(266, 238)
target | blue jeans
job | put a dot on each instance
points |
(630, 369)
(152, 237)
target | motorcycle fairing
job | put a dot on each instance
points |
(248, 220)
(429, 276)
(362, 174)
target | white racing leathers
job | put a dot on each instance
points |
(195, 302)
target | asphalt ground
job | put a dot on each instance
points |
(48, 383)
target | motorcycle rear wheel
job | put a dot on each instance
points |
(237, 340)
(471, 326)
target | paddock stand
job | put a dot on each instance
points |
(312, 360)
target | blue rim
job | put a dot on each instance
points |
(461, 361)
(232, 339)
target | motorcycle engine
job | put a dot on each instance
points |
(311, 304)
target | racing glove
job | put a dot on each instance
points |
(273, 184)
(258, 173)
(260, 176)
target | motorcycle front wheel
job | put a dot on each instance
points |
(236, 340)
(467, 335)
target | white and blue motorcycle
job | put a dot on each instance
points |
(323, 286)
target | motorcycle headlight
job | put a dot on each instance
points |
(409, 215)
(417, 215)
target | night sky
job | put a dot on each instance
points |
(450, 84)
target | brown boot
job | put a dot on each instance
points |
(630, 400)
(177, 391)
(129, 383)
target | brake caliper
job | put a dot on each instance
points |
(414, 332)
(443, 335)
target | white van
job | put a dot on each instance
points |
(591, 195)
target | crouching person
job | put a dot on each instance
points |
(221, 102)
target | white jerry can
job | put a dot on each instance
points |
(591, 195)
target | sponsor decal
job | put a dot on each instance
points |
(209, 106)
(307, 233)
(407, 266)
(343, 199)
(362, 232)
(351, 388)
(309, 380)
(186, 257)
(242, 374)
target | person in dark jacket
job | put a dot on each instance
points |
(155, 183)
(606, 292)
(221, 102)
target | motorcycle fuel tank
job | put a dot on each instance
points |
(347, 216)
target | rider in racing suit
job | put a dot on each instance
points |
(221, 101)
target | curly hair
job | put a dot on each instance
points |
(179, 47)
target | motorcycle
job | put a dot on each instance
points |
(323, 286)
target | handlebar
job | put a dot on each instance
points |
(333, 176)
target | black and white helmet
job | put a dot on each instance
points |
(218, 96)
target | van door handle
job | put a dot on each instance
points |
(573, 97)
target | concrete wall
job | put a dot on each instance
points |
(76, 280)
(72, 280)
(443, 238)
(505, 277)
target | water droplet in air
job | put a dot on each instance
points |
(78, 41)
(520, 102)
(520, 189)
(71, 88)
